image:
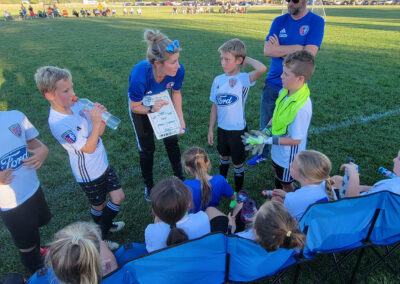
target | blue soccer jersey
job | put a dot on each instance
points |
(308, 30)
(142, 82)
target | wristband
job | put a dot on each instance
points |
(275, 140)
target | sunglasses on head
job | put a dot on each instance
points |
(172, 46)
(294, 1)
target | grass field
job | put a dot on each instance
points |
(354, 92)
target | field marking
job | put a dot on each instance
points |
(350, 122)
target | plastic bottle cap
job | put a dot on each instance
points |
(75, 98)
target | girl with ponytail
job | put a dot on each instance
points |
(312, 170)
(170, 201)
(206, 190)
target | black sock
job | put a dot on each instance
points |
(239, 178)
(278, 183)
(109, 213)
(32, 259)
(96, 215)
(223, 167)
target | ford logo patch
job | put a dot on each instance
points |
(226, 99)
(13, 159)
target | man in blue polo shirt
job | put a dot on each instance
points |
(296, 30)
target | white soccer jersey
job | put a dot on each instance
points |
(72, 131)
(229, 93)
(298, 129)
(15, 131)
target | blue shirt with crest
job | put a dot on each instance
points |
(308, 30)
(142, 82)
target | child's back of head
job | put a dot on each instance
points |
(46, 78)
(197, 162)
(235, 46)
(275, 228)
(170, 200)
(301, 63)
(75, 254)
(316, 168)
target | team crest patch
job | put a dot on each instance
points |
(69, 137)
(16, 130)
(232, 82)
(170, 85)
(304, 30)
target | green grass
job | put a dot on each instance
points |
(357, 75)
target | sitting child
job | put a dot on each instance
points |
(170, 201)
(78, 255)
(206, 190)
(355, 189)
(311, 169)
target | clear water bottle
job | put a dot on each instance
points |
(387, 173)
(346, 178)
(110, 120)
(249, 209)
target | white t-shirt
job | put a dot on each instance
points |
(15, 131)
(72, 132)
(297, 202)
(229, 93)
(195, 226)
(298, 129)
(392, 185)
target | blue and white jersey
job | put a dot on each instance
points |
(229, 94)
(142, 82)
(308, 30)
(16, 130)
(72, 132)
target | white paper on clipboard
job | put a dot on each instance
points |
(165, 122)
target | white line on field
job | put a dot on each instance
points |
(347, 123)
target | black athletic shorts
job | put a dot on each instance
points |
(24, 221)
(96, 190)
(230, 144)
(219, 224)
(282, 174)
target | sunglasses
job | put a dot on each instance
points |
(172, 46)
(294, 1)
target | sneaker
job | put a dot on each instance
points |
(117, 226)
(111, 245)
(147, 194)
(256, 160)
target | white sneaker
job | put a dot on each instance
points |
(117, 226)
(111, 245)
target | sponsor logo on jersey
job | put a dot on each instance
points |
(16, 130)
(226, 99)
(170, 85)
(14, 158)
(304, 30)
(232, 82)
(149, 93)
(283, 33)
(69, 137)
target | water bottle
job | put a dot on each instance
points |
(249, 209)
(346, 178)
(386, 173)
(110, 120)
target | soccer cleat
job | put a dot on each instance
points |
(111, 245)
(256, 160)
(117, 226)
(147, 194)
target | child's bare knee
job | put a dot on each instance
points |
(117, 196)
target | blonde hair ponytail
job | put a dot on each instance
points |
(156, 45)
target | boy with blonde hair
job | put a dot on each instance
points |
(79, 133)
(228, 94)
(288, 128)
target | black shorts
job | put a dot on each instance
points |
(230, 144)
(24, 221)
(96, 190)
(219, 224)
(282, 174)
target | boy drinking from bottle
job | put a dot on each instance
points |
(288, 128)
(79, 133)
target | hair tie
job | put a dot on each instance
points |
(75, 240)
(172, 226)
(288, 234)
